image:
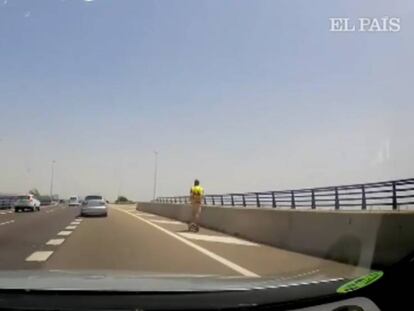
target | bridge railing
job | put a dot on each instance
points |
(394, 194)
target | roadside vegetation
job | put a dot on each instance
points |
(123, 200)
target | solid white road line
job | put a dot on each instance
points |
(206, 252)
(75, 223)
(171, 222)
(39, 256)
(147, 215)
(55, 241)
(139, 214)
(64, 233)
(7, 222)
(216, 238)
(70, 228)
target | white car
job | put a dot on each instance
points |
(24, 202)
(74, 201)
(94, 208)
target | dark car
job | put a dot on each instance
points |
(45, 200)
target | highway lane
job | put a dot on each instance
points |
(129, 240)
(121, 242)
(24, 232)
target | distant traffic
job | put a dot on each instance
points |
(91, 205)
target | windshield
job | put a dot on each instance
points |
(249, 141)
(93, 197)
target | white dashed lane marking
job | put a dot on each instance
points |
(170, 222)
(55, 241)
(6, 222)
(64, 233)
(6, 212)
(217, 239)
(44, 255)
(39, 256)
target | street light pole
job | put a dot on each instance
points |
(51, 179)
(155, 174)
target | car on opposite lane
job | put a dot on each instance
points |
(7, 201)
(26, 202)
(94, 208)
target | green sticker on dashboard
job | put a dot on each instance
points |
(360, 282)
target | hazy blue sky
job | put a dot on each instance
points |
(244, 95)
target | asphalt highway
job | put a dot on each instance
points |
(57, 238)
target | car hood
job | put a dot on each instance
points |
(143, 282)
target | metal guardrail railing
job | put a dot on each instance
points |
(393, 194)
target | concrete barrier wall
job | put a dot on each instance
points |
(376, 239)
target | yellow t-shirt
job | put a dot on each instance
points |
(197, 193)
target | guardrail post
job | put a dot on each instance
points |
(212, 198)
(257, 200)
(292, 195)
(244, 200)
(232, 200)
(273, 199)
(205, 201)
(313, 199)
(222, 200)
(364, 198)
(336, 198)
(394, 196)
